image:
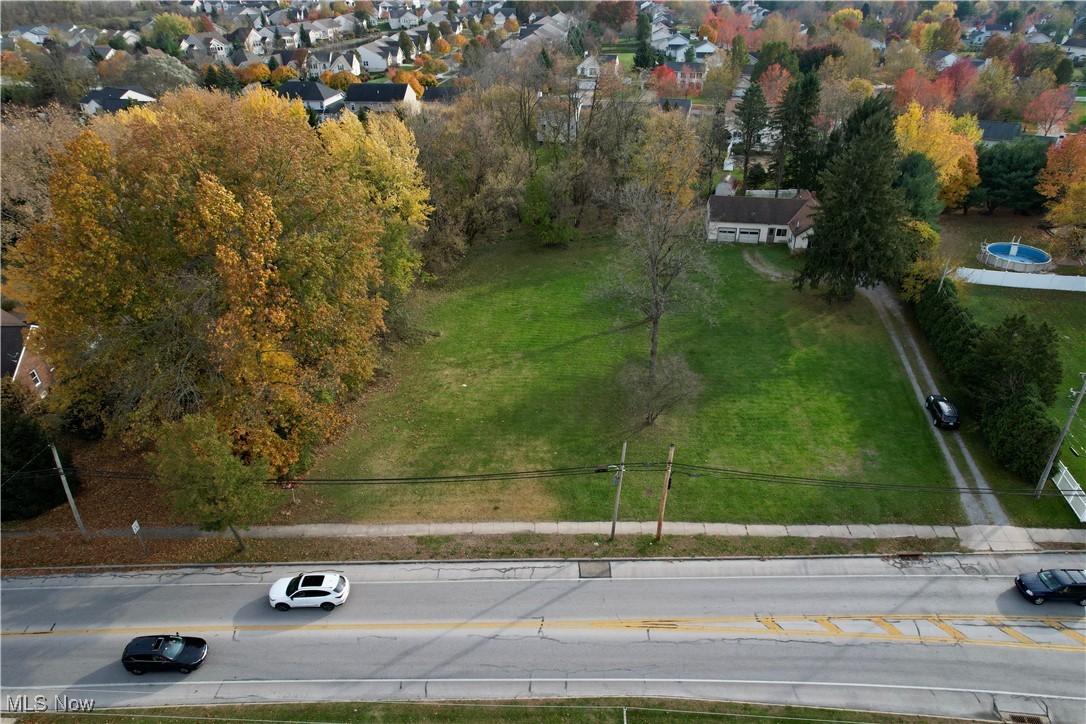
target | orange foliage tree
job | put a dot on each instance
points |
(666, 83)
(410, 78)
(775, 80)
(253, 73)
(1051, 108)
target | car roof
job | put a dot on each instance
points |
(1076, 576)
(318, 579)
(146, 644)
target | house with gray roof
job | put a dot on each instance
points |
(761, 220)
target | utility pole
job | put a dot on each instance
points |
(618, 490)
(1059, 440)
(663, 497)
(67, 490)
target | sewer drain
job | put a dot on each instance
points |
(594, 569)
(1025, 719)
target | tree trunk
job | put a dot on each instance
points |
(655, 343)
(237, 537)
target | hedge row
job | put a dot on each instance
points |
(1006, 374)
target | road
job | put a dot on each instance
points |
(945, 635)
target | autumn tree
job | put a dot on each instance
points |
(29, 139)
(858, 236)
(112, 70)
(166, 32)
(56, 75)
(775, 53)
(775, 80)
(232, 289)
(720, 83)
(196, 465)
(253, 73)
(340, 80)
(949, 143)
(993, 91)
(665, 82)
(1050, 109)
(281, 75)
(1063, 183)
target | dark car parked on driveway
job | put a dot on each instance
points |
(1055, 584)
(164, 653)
(942, 411)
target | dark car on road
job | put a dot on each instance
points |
(1055, 584)
(942, 411)
(164, 653)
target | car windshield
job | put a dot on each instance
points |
(339, 586)
(947, 409)
(1050, 579)
(173, 647)
(293, 585)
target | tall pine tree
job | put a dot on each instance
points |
(858, 236)
(752, 117)
(797, 148)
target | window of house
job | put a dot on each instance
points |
(782, 232)
(35, 378)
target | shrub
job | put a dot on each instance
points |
(26, 493)
(1020, 435)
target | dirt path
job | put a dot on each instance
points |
(981, 507)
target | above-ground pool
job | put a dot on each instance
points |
(1015, 256)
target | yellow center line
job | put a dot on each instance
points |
(727, 625)
(1016, 635)
(888, 628)
(954, 633)
(1064, 630)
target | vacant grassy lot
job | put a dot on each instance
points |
(518, 368)
(964, 235)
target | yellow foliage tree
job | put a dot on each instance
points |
(253, 73)
(188, 267)
(282, 74)
(948, 141)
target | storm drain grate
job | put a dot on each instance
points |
(1025, 719)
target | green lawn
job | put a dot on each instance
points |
(518, 372)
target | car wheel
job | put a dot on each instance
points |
(136, 672)
(1037, 600)
(184, 669)
(935, 421)
(328, 606)
(1082, 602)
(282, 606)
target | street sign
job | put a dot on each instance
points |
(136, 527)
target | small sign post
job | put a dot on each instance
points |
(136, 531)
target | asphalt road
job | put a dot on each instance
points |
(939, 636)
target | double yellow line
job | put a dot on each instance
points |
(877, 627)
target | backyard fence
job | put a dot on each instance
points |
(1071, 490)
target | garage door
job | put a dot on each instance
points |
(727, 235)
(749, 236)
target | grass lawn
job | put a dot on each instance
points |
(624, 49)
(1065, 311)
(518, 372)
(537, 711)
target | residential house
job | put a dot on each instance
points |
(206, 45)
(248, 39)
(1075, 48)
(35, 34)
(130, 37)
(680, 105)
(1037, 38)
(18, 360)
(593, 66)
(689, 76)
(761, 220)
(335, 61)
(940, 60)
(993, 132)
(676, 46)
(381, 97)
(704, 50)
(402, 18)
(318, 97)
(112, 100)
(440, 95)
(379, 55)
(243, 58)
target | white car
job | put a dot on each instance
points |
(324, 589)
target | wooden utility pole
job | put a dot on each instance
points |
(68, 491)
(663, 497)
(618, 489)
(1059, 440)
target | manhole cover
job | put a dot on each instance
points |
(595, 569)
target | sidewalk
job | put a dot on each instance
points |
(1001, 538)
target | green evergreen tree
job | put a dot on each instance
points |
(920, 184)
(644, 28)
(797, 151)
(776, 51)
(406, 45)
(644, 57)
(690, 56)
(752, 117)
(1008, 175)
(858, 237)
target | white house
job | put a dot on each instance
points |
(381, 97)
(593, 65)
(112, 100)
(1075, 48)
(402, 18)
(760, 220)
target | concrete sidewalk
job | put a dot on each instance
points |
(972, 537)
